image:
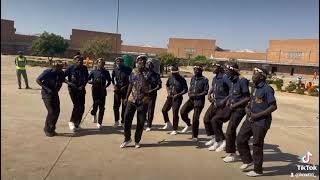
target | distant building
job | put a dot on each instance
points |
(79, 37)
(294, 51)
(190, 48)
(11, 42)
(149, 50)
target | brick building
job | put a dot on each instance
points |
(11, 42)
(152, 51)
(79, 37)
(294, 51)
(190, 48)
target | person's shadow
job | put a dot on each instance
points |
(93, 131)
(273, 153)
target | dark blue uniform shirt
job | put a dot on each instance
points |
(99, 77)
(77, 75)
(239, 89)
(220, 87)
(262, 98)
(120, 76)
(52, 80)
(199, 85)
(176, 84)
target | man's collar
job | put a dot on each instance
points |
(260, 85)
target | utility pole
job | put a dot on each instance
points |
(116, 52)
(118, 16)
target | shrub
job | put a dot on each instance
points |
(314, 91)
(279, 83)
(269, 81)
(300, 91)
(291, 87)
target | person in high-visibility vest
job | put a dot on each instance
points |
(21, 62)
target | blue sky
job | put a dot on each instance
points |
(235, 24)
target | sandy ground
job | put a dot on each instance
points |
(27, 154)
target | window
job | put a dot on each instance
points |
(295, 55)
(189, 50)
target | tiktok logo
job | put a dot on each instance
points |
(307, 157)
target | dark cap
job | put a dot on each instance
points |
(174, 69)
(119, 58)
(78, 58)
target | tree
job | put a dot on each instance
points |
(200, 58)
(49, 44)
(168, 59)
(97, 48)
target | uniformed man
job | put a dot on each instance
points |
(176, 87)
(21, 62)
(199, 87)
(77, 78)
(239, 97)
(120, 81)
(218, 92)
(51, 81)
(155, 84)
(137, 100)
(100, 80)
(257, 123)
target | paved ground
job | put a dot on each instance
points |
(26, 154)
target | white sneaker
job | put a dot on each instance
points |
(95, 119)
(245, 166)
(253, 174)
(214, 146)
(222, 146)
(174, 133)
(71, 126)
(230, 158)
(99, 126)
(167, 125)
(125, 144)
(194, 139)
(137, 145)
(210, 142)
(148, 129)
(186, 129)
(116, 124)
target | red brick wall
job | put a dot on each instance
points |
(178, 46)
(279, 51)
(240, 55)
(80, 37)
(7, 30)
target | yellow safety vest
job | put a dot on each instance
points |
(21, 63)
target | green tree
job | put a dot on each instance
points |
(167, 59)
(50, 45)
(97, 48)
(200, 58)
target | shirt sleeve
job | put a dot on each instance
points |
(185, 85)
(159, 80)
(191, 82)
(270, 95)
(244, 83)
(43, 75)
(67, 71)
(108, 76)
(206, 85)
(168, 82)
(86, 73)
(131, 77)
